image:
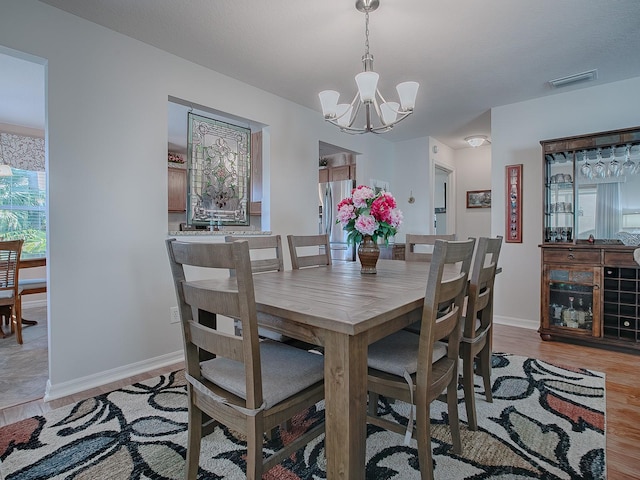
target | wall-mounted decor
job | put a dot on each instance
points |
(219, 168)
(513, 223)
(378, 185)
(479, 199)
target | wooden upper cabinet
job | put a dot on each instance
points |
(255, 205)
(339, 173)
(335, 174)
(177, 182)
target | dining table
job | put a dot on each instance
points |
(344, 311)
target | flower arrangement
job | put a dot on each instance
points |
(369, 213)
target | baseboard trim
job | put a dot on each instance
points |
(53, 392)
(516, 322)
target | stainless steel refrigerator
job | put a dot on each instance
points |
(330, 194)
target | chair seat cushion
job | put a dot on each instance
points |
(286, 371)
(398, 353)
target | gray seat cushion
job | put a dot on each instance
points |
(398, 353)
(286, 371)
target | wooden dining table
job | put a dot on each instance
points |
(344, 311)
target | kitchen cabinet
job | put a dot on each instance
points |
(255, 201)
(335, 174)
(177, 184)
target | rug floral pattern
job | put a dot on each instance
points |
(545, 422)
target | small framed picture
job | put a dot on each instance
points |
(479, 199)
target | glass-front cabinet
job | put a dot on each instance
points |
(592, 187)
(559, 199)
(571, 296)
(590, 278)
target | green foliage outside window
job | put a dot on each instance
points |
(23, 210)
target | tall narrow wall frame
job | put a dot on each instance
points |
(513, 220)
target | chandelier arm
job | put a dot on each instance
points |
(355, 104)
(377, 107)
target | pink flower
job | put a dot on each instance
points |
(346, 212)
(396, 218)
(382, 207)
(366, 224)
(361, 194)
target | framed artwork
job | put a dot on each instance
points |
(379, 185)
(479, 199)
(218, 172)
(513, 223)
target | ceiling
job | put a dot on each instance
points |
(468, 55)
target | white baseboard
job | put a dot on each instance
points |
(71, 387)
(517, 322)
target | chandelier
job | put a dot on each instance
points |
(368, 98)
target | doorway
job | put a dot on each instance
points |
(443, 219)
(22, 131)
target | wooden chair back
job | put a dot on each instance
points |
(315, 259)
(480, 296)
(444, 303)
(475, 345)
(412, 239)
(10, 251)
(262, 246)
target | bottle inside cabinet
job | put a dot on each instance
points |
(559, 197)
(570, 305)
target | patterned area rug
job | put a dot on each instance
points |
(545, 422)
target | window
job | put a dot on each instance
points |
(22, 210)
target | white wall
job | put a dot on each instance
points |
(109, 281)
(473, 170)
(516, 131)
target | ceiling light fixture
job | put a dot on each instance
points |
(476, 140)
(344, 115)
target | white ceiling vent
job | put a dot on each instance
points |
(575, 78)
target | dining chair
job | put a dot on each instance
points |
(428, 242)
(10, 251)
(413, 239)
(268, 258)
(417, 368)
(251, 386)
(321, 254)
(475, 346)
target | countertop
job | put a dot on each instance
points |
(219, 233)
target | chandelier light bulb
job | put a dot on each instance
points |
(407, 91)
(329, 102)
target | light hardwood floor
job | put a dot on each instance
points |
(622, 384)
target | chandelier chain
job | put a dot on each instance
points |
(366, 34)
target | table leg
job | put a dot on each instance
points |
(345, 374)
